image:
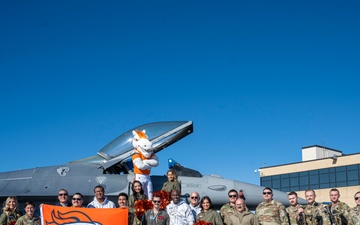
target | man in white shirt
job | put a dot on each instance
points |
(179, 212)
(100, 200)
(195, 204)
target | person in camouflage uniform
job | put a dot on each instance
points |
(229, 208)
(355, 212)
(339, 210)
(29, 218)
(292, 210)
(314, 213)
(270, 211)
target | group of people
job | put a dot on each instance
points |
(314, 213)
(11, 214)
(271, 212)
(178, 212)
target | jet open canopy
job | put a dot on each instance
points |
(161, 134)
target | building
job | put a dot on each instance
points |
(321, 169)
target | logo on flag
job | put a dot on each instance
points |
(58, 215)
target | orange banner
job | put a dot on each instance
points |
(57, 215)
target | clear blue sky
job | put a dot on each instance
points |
(259, 79)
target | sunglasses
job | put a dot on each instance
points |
(194, 197)
(232, 196)
(356, 198)
(267, 193)
(63, 194)
(156, 201)
(76, 199)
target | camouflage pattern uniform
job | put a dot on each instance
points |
(226, 211)
(340, 210)
(272, 213)
(354, 216)
(25, 220)
(314, 211)
(292, 212)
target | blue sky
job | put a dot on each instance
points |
(259, 79)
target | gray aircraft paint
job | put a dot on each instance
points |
(42, 184)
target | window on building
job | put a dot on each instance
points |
(314, 179)
(294, 181)
(340, 174)
(352, 175)
(266, 181)
(304, 180)
(285, 182)
(276, 182)
(324, 178)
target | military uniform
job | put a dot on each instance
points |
(354, 218)
(210, 216)
(25, 220)
(340, 213)
(292, 214)
(243, 218)
(271, 213)
(168, 186)
(227, 210)
(314, 213)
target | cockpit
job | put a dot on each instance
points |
(115, 157)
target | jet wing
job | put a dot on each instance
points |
(161, 134)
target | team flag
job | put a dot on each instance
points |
(57, 215)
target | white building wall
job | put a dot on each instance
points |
(318, 152)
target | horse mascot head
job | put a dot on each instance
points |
(141, 143)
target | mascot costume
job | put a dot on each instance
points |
(143, 159)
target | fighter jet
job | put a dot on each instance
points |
(112, 168)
